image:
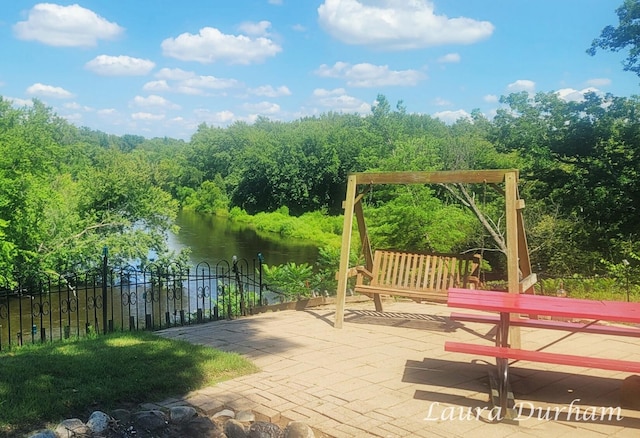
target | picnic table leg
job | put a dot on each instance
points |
(502, 340)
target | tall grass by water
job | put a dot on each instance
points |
(316, 226)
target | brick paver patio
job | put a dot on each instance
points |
(387, 375)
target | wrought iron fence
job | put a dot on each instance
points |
(50, 307)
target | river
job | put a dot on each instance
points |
(142, 302)
(213, 238)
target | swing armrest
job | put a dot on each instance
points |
(472, 282)
(359, 272)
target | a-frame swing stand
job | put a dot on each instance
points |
(520, 277)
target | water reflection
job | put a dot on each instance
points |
(212, 238)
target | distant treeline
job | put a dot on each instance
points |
(67, 192)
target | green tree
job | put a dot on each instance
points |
(625, 35)
(411, 218)
(581, 158)
(209, 198)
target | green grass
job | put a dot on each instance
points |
(43, 384)
(315, 227)
(595, 288)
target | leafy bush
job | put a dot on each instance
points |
(291, 279)
(228, 301)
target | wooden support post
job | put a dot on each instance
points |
(366, 246)
(513, 271)
(341, 293)
(523, 251)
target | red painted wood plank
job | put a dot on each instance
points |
(551, 325)
(543, 356)
(544, 305)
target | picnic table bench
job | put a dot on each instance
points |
(509, 307)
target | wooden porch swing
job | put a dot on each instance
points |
(427, 276)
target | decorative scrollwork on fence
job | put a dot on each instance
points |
(94, 302)
(69, 305)
(167, 294)
(204, 292)
(174, 291)
(151, 296)
(39, 309)
(129, 298)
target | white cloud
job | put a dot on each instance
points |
(491, 98)
(209, 82)
(262, 107)
(299, 28)
(107, 112)
(20, 102)
(154, 101)
(322, 92)
(72, 105)
(269, 91)
(73, 117)
(174, 74)
(598, 82)
(452, 116)
(449, 58)
(191, 91)
(43, 90)
(105, 65)
(69, 26)
(156, 86)
(76, 106)
(211, 45)
(369, 75)
(147, 116)
(571, 95)
(338, 100)
(397, 24)
(187, 82)
(252, 28)
(522, 85)
(439, 101)
(218, 118)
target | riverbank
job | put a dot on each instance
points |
(316, 227)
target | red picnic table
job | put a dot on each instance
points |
(511, 306)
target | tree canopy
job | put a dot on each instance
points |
(67, 192)
(625, 35)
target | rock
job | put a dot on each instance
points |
(225, 413)
(44, 434)
(262, 429)
(181, 414)
(246, 416)
(630, 392)
(201, 427)
(98, 422)
(234, 429)
(298, 429)
(175, 421)
(150, 420)
(121, 415)
(71, 428)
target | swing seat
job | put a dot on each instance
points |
(421, 277)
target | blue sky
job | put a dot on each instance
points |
(161, 67)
